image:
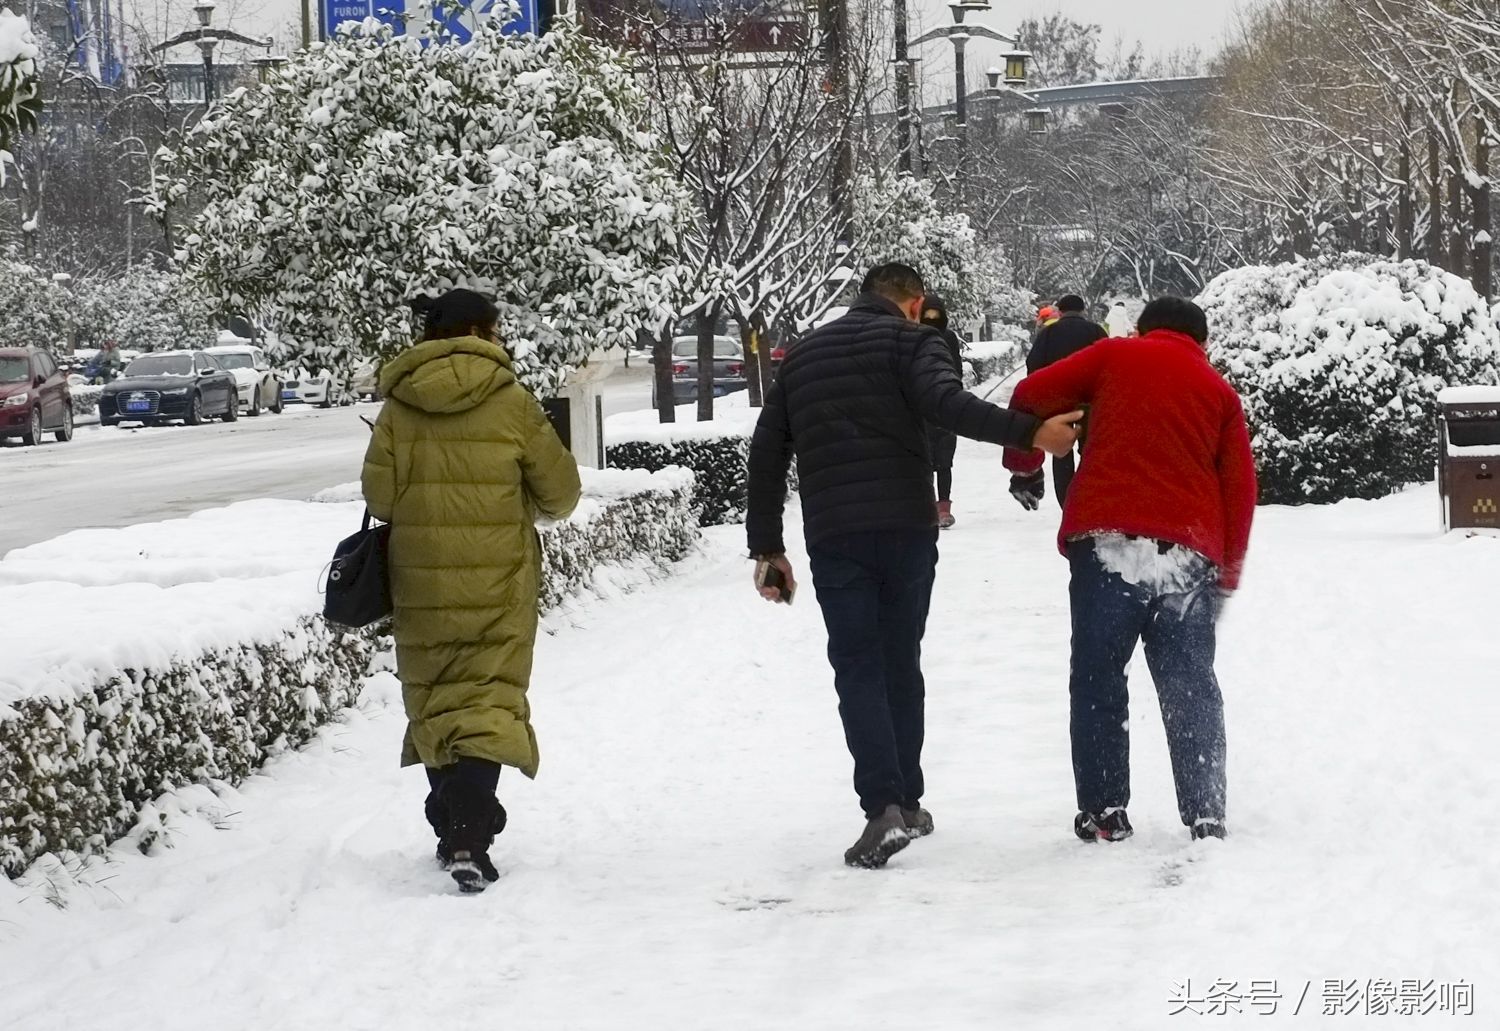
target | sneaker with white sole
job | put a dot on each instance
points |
(1110, 825)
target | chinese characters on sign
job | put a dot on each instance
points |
(1330, 998)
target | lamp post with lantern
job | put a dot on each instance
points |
(959, 34)
(207, 38)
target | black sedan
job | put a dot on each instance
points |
(171, 385)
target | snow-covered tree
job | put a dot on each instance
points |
(143, 309)
(898, 218)
(20, 102)
(35, 309)
(377, 167)
(1339, 362)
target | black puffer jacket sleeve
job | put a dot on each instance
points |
(770, 458)
(934, 389)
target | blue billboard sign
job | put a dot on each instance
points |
(395, 13)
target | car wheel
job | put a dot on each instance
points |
(327, 401)
(66, 433)
(254, 408)
(195, 411)
(232, 413)
(277, 404)
(33, 435)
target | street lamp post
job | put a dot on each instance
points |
(207, 38)
(959, 34)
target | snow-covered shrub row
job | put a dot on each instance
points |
(988, 359)
(88, 739)
(626, 518)
(720, 467)
(1339, 362)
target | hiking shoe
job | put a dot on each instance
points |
(884, 836)
(918, 821)
(1110, 825)
(1208, 828)
(475, 816)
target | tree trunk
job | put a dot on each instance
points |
(750, 345)
(1434, 202)
(706, 325)
(661, 362)
(1458, 246)
(1406, 216)
(1484, 247)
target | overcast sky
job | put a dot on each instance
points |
(1159, 24)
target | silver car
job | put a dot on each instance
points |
(729, 367)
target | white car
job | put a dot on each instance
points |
(259, 386)
(321, 389)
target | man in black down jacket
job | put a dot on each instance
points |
(853, 401)
(1064, 338)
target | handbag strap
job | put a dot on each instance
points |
(365, 524)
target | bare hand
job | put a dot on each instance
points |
(1059, 434)
(772, 593)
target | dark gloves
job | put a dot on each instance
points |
(1029, 489)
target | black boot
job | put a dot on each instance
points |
(1110, 825)
(436, 808)
(475, 816)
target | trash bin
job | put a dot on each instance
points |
(1469, 457)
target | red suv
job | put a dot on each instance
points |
(34, 396)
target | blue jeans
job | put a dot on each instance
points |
(1177, 625)
(875, 590)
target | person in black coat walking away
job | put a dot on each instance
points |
(1071, 333)
(853, 401)
(944, 443)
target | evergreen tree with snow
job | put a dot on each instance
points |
(380, 167)
(20, 84)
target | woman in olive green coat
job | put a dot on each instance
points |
(461, 464)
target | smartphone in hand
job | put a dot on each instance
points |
(768, 575)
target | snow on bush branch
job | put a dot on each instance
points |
(379, 167)
(20, 83)
(141, 308)
(1339, 361)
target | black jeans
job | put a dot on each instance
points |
(1177, 626)
(1063, 470)
(875, 590)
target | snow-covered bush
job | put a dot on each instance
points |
(20, 84)
(375, 168)
(1339, 362)
(85, 403)
(142, 309)
(986, 359)
(720, 466)
(626, 518)
(35, 309)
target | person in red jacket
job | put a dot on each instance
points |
(1155, 530)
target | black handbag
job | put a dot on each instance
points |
(358, 591)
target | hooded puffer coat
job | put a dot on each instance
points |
(462, 462)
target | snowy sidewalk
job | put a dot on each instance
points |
(678, 863)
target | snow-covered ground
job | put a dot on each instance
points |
(678, 863)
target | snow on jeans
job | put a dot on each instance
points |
(875, 590)
(1126, 590)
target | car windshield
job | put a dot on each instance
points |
(14, 369)
(724, 347)
(161, 365)
(236, 361)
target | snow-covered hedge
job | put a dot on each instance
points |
(190, 651)
(118, 694)
(1339, 362)
(720, 466)
(86, 403)
(988, 359)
